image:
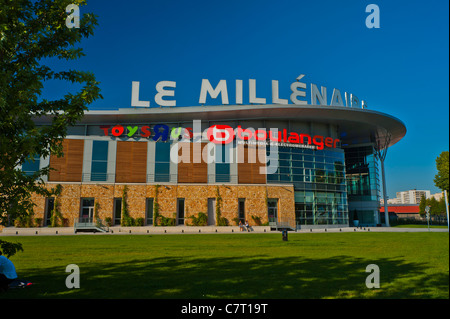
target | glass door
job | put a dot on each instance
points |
(87, 209)
(211, 211)
(180, 211)
(272, 205)
(117, 211)
(49, 206)
(241, 209)
(149, 212)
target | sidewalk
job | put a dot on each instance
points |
(118, 230)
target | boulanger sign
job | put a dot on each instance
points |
(166, 89)
(222, 134)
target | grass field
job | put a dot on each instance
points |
(325, 265)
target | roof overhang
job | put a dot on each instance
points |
(356, 125)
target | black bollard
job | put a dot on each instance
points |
(284, 235)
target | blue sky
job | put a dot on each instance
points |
(400, 69)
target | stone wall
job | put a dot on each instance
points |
(195, 196)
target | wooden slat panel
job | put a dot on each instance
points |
(139, 167)
(123, 167)
(69, 167)
(248, 173)
(193, 172)
(75, 161)
(131, 162)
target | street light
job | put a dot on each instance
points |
(427, 210)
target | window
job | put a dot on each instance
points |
(272, 207)
(31, 165)
(241, 209)
(117, 210)
(99, 164)
(49, 206)
(149, 211)
(223, 162)
(180, 211)
(162, 162)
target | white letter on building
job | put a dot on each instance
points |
(275, 94)
(354, 101)
(295, 86)
(238, 91)
(135, 96)
(373, 280)
(316, 96)
(214, 93)
(336, 98)
(373, 19)
(73, 280)
(161, 92)
(253, 98)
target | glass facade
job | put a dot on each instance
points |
(318, 177)
(363, 184)
(362, 174)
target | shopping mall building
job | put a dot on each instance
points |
(307, 165)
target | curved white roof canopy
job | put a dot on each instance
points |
(355, 125)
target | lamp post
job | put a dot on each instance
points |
(427, 210)
(446, 208)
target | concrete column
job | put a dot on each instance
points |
(173, 169)
(151, 149)
(44, 162)
(111, 170)
(87, 160)
(212, 166)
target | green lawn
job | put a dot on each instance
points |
(325, 265)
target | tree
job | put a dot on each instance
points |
(441, 178)
(422, 205)
(441, 205)
(434, 206)
(32, 34)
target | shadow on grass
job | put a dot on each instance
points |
(252, 277)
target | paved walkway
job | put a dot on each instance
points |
(118, 230)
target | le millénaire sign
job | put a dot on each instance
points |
(298, 94)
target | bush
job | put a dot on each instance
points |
(108, 221)
(257, 220)
(165, 221)
(200, 220)
(127, 221)
(222, 221)
(139, 221)
(38, 221)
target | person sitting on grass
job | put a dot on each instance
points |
(7, 273)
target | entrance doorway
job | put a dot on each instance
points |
(117, 211)
(272, 205)
(49, 206)
(87, 209)
(180, 211)
(241, 210)
(211, 211)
